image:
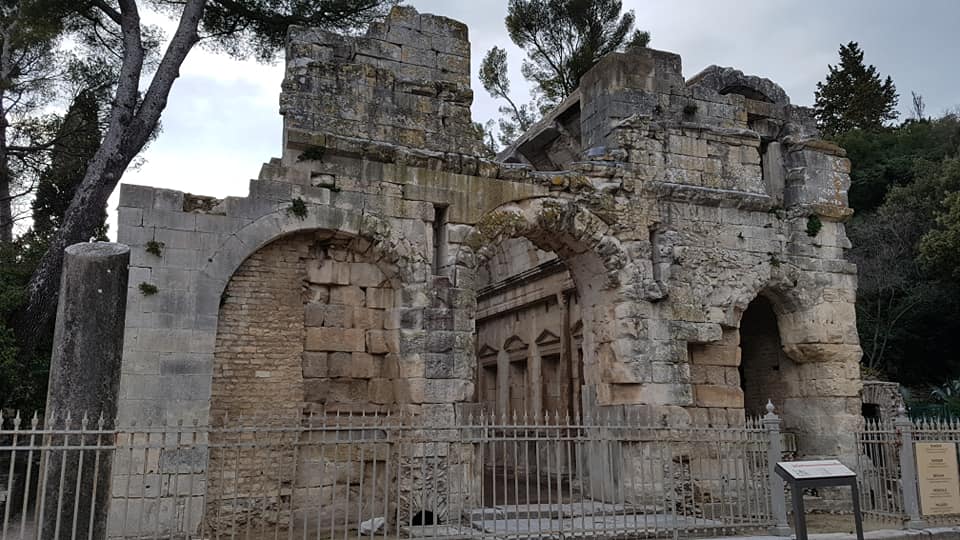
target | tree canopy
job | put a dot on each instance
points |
(514, 119)
(563, 39)
(853, 96)
(904, 245)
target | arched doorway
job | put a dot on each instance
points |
(302, 334)
(554, 267)
(528, 315)
(763, 364)
(548, 277)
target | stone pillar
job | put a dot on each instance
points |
(535, 370)
(503, 383)
(778, 501)
(908, 471)
(84, 379)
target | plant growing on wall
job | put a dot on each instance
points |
(148, 289)
(297, 208)
(814, 225)
(155, 248)
(314, 153)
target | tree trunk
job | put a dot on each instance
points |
(130, 128)
(6, 193)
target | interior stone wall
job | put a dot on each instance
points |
(260, 336)
(529, 361)
(764, 367)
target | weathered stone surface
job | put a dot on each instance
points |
(85, 377)
(719, 396)
(725, 80)
(335, 339)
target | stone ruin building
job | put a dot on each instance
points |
(668, 247)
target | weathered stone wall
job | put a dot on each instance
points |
(406, 81)
(260, 336)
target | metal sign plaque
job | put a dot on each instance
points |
(801, 475)
(938, 478)
(810, 470)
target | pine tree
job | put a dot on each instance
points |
(563, 39)
(23, 378)
(515, 119)
(77, 141)
(853, 96)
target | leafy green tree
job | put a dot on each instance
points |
(23, 377)
(514, 119)
(76, 142)
(908, 312)
(886, 158)
(853, 96)
(563, 39)
(29, 70)
(940, 247)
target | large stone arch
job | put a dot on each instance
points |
(369, 237)
(411, 266)
(565, 227)
(727, 80)
(309, 321)
(599, 265)
(818, 377)
(816, 323)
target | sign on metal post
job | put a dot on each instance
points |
(816, 474)
(938, 479)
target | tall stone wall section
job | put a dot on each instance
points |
(405, 82)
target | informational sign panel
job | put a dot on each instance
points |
(938, 478)
(808, 470)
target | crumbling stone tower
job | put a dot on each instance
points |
(654, 243)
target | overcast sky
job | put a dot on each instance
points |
(222, 121)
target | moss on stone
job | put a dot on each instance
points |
(492, 226)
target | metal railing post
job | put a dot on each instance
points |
(778, 502)
(908, 470)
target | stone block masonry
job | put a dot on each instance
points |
(644, 247)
